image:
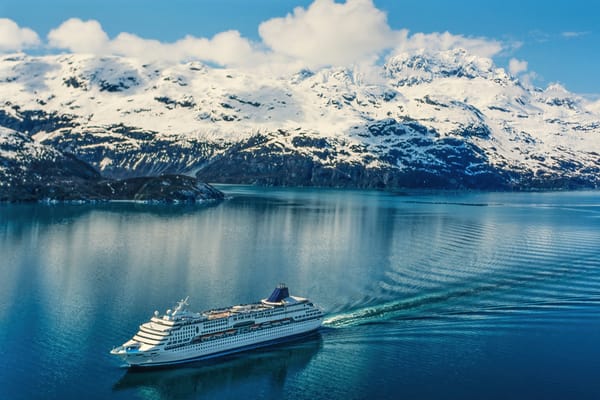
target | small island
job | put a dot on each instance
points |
(170, 189)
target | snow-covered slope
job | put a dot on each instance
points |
(447, 119)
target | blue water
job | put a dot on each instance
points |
(428, 295)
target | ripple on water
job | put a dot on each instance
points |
(489, 274)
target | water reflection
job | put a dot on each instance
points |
(77, 280)
(237, 376)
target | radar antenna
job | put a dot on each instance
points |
(181, 305)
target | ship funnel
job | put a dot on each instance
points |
(281, 292)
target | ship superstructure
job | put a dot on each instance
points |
(181, 336)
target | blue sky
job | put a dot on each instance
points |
(558, 40)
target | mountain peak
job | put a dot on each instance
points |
(557, 95)
(412, 68)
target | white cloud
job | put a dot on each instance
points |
(517, 66)
(593, 105)
(225, 48)
(15, 38)
(79, 37)
(572, 34)
(326, 32)
(356, 32)
(529, 78)
(329, 33)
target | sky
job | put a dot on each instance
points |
(540, 42)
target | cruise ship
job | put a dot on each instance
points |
(181, 336)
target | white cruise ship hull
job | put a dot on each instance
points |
(219, 347)
(181, 336)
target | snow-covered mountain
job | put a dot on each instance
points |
(435, 120)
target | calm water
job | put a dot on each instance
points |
(428, 296)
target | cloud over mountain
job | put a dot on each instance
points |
(324, 33)
(329, 33)
(78, 36)
(517, 66)
(15, 38)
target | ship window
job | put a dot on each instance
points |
(197, 330)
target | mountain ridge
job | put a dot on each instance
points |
(423, 120)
